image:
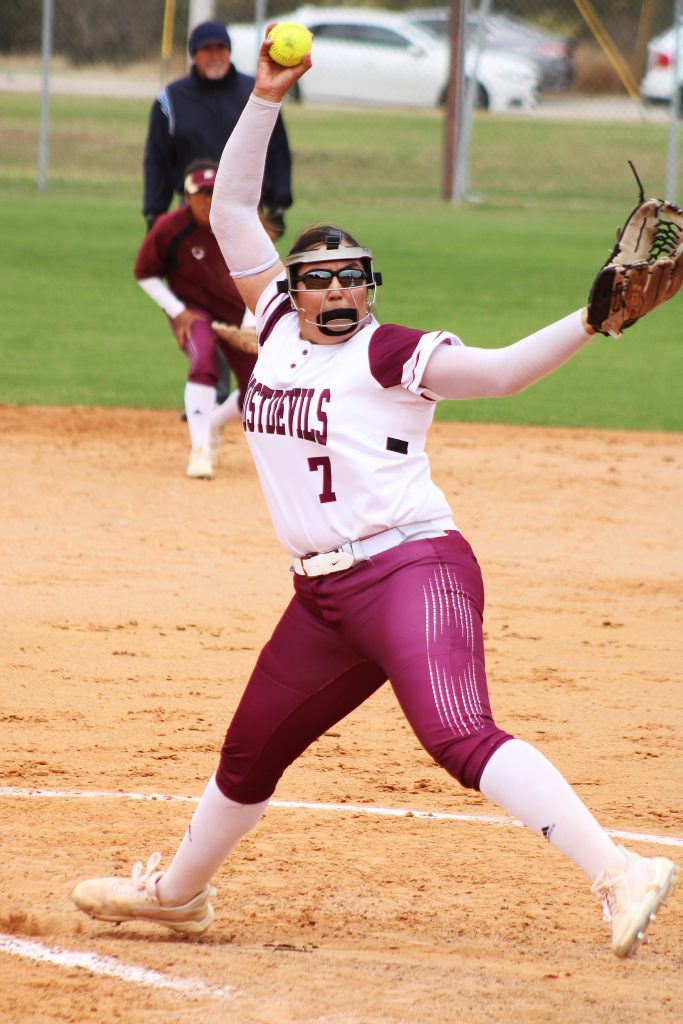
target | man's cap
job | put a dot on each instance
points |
(197, 181)
(208, 32)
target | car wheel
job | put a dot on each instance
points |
(481, 101)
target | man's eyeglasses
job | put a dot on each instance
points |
(317, 280)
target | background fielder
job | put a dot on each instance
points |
(180, 266)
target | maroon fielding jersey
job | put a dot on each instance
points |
(189, 259)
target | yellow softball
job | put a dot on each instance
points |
(291, 42)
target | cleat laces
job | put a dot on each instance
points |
(604, 887)
(140, 881)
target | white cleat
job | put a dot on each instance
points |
(200, 464)
(631, 898)
(135, 899)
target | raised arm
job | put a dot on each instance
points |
(464, 372)
(643, 271)
(248, 251)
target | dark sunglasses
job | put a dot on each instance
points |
(317, 280)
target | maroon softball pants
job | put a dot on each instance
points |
(201, 351)
(412, 615)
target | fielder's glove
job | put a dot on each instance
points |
(644, 270)
(242, 338)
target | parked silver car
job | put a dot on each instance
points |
(551, 53)
(375, 57)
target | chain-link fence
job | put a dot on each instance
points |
(576, 87)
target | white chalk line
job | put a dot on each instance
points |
(393, 812)
(113, 968)
(110, 967)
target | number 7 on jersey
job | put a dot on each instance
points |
(323, 462)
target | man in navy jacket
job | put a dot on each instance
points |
(193, 116)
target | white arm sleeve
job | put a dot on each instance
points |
(162, 295)
(455, 372)
(235, 222)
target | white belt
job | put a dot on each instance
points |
(355, 551)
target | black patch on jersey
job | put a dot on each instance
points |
(395, 444)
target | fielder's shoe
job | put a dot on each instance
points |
(631, 898)
(200, 466)
(135, 899)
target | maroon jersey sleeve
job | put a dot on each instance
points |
(391, 346)
(278, 307)
(187, 256)
(150, 260)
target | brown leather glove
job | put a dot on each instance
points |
(242, 338)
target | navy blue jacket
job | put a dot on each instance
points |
(193, 117)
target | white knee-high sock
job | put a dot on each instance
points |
(199, 402)
(524, 783)
(227, 411)
(216, 827)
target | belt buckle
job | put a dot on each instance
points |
(337, 561)
(326, 562)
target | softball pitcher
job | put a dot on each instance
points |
(385, 586)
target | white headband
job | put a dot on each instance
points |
(342, 252)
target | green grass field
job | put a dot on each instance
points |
(78, 330)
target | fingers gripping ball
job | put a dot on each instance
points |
(290, 43)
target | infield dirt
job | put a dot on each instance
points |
(134, 603)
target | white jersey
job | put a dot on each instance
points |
(338, 432)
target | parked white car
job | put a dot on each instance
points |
(378, 58)
(658, 81)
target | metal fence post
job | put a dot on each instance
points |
(453, 188)
(462, 163)
(671, 187)
(46, 58)
(260, 15)
(199, 11)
